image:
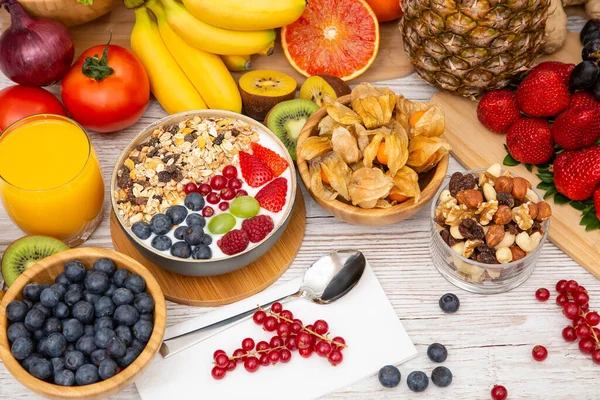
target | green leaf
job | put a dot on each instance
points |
(546, 178)
(529, 167)
(589, 218)
(579, 205)
(561, 199)
(509, 161)
(550, 192)
(544, 186)
(86, 2)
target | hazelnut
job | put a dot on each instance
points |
(503, 216)
(504, 255)
(544, 211)
(471, 198)
(517, 253)
(494, 235)
(520, 186)
(504, 184)
(533, 209)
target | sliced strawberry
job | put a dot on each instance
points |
(583, 100)
(272, 196)
(543, 93)
(255, 172)
(529, 140)
(498, 110)
(576, 128)
(273, 160)
(562, 69)
(577, 172)
(597, 202)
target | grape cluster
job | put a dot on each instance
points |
(290, 335)
(586, 73)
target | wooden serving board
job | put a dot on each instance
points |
(392, 61)
(212, 291)
(476, 147)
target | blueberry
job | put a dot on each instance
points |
(107, 369)
(89, 330)
(161, 243)
(194, 201)
(98, 356)
(181, 250)
(70, 347)
(45, 286)
(58, 288)
(86, 345)
(207, 240)
(193, 235)
(17, 330)
(449, 303)
(64, 378)
(49, 298)
(72, 297)
(389, 376)
(77, 287)
(126, 315)
(138, 345)
(441, 376)
(179, 232)
(111, 289)
(41, 369)
(45, 310)
(52, 325)
(142, 230)
(29, 303)
(135, 283)
(144, 303)
(39, 334)
(32, 291)
(120, 276)
(97, 282)
(104, 306)
(437, 352)
(130, 355)
(202, 252)
(55, 345)
(195, 220)
(147, 317)
(161, 224)
(122, 296)
(62, 279)
(41, 345)
(177, 214)
(16, 311)
(417, 381)
(105, 265)
(124, 333)
(74, 360)
(75, 270)
(116, 348)
(86, 375)
(90, 297)
(58, 364)
(103, 322)
(34, 319)
(102, 337)
(143, 330)
(83, 311)
(22, 348)
(26, 363)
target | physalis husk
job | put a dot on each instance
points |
(329, 176)
(431, 123)
(389, 149)
(405, 108)
(367, 186)
(424, 152)
(374, 105)
(314, 146)
(406, 183)
(343, 115)
(345, 144)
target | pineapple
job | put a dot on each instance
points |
(472, 46)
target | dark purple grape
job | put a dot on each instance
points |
(595, 35)
(591, 51)
(583, 76)
(593, 25)
(596, 90)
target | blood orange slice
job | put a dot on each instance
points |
(335, 37)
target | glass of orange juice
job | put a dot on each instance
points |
(50, 178)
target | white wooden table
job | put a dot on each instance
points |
(489, 340)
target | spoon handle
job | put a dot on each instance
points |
(186, 340)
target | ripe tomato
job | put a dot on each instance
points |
(18, 102)
(106, 94)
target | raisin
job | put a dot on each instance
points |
(471, 230)
(173, 129)
(164, 176)
(140, 201)
(235, 132)
(194, 135)
(484, 248)
(177, 175)
(123, 179)
(159, 198)
(171, 168)
(455, 183)
(445, 234)
(188, 138)
(512, 228)
(153, 142)
(468, 182)
(505, 199)
(219, 139)
(140, 146)
(152, 153)
(486, 258)
(518, 203)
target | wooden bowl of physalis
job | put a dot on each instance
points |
(373, 157)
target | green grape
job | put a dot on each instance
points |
(244, 207)
(222, 223)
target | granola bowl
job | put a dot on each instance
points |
(151, 184)
(487, 243)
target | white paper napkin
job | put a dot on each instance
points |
(364, 318)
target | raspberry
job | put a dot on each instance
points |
(258, 227)
(233, 242)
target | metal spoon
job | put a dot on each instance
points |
(327, 280)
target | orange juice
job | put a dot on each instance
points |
(51, 183)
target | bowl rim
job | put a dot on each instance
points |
(179, 117)
(107, 387)
(535, 253)
(439, 170)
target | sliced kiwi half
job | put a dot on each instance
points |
(287, 119)
(317, 87)
(25, 252)
(261, 90)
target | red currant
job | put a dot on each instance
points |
(339, 342)
(287, 314)
(241, 193)
(216, 353)
(539, 353)
(561, 286)
(247, 344)
(570, 310)
(251, 364)
(592, 318)
(204, 189)
(190, 188)
(597, 332)
(585, 307)
(323, 348)
(562, 299)
(571, 286)
(581, 298)
(222, 360)
(276, 307)
(208, 212)
(262, 346)
(275, 342)
(587, 345)
(239, 355)
(581, 289)
(568, 333)
(296, 328)
(499, 393)
(542, 294)
(227, 194)
(291, 342)
(231, 366)
(336, 357)
(309, 328)
(259, 317)
(303, 340)
(223, 206)
(583, 331)
(218, 373)
(578, 320)
(284, 329)
(234, 184)
(218, 182)
(596, 356)
(274, 356)
(264, 360)
(230, 172)
(213, 198)
(321, 327)
(306, 352)
(286, 355)
(270, 323)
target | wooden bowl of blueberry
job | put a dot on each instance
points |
(81, 324)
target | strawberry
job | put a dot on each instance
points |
(258, 227)
(274, 161)
(577, 128)
(255, 172)
(543, 93)
(597, 202)
(272, 196)
(529, 140)
(498, 110)
(233, 242)
(577, 172)
(562, 69)
(583, 100)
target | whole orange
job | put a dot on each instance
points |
(386, 10)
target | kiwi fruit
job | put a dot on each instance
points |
(261, 90)
(287, 119)
(25, 252)
(317, 87)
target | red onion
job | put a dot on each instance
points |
(34, 51)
